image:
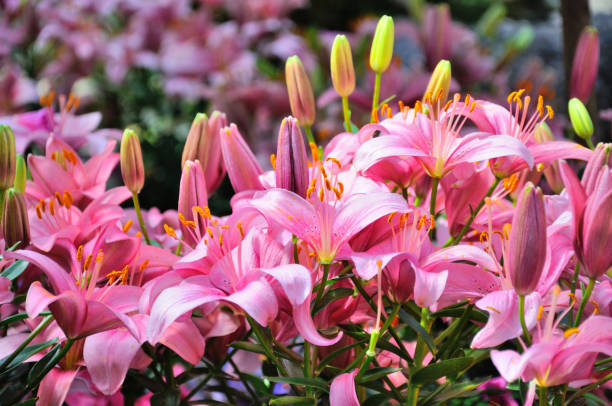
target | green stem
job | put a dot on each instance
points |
(264, 343)
(432, 205)
(44, 323)
(376, 95)
(421, 349)
(309, 135)
(178, 248)
(543, 396)
(392, 332)
(347, 113)
(522, 318)
(590, 143)
(321, 289)
(585, 299)
(413, 396)
(140, 220)
(588, 388)
(466, 227)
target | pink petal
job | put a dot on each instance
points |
(173, 303)
(295, 280)
(185, 339)
(504, 323)
(342, 390)
(60, 279)
(549, 151)
(257, 299)
(482, 146)
(428, 286)
(305, 326)
(108, 356)
(55, 386)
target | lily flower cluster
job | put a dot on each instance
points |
(383, 268)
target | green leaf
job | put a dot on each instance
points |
(257, 383)
(377, 373)
(336, 353)
(331, 295)
(416, 326)
(27, 353)
(457, 391)
(474, 315)
(42, 364)
(249, 346)
(310, 382)
(18, 317)
(293, 400)
(450, 367)
(15, 269)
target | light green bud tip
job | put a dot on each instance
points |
(580, 118)
(382, 45)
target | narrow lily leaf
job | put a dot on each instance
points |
(449, 367)
(416, 326)
(29, 402)
(41, 365)
(258, 384)
(18, 317)
(376, 400)
(248, 346)
(377, 373)
(456, 391)
(293, 400)
(170, 397)
(310, 382)
(336, 353)
(27, 353)
(13, 271)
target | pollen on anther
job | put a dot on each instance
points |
(126, 227)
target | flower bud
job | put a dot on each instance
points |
(242, 166)
(437, 34)
(291, 159)
(341, 66)
(21, 172)
(7, 157)
(15, 225)
(580, 118)
(382, 45)
(439, 83)
(585, 64)
(601, 157)
(489, 22)
(132, 168)
(203, 144)
(301, 97)
(192, 193)
(526, 251)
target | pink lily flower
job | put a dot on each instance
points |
(516, 123)
(433, 138)
(557, 357)
(411, 267)
(244, 277)
(592, 233)
(37, 126)
(328, 217)
(6, 296)
(79, 306)
(62, 170)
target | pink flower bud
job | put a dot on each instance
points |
(242, 166)
(291, 159)
(192, 193)
(7, 157)
(15, 224)
(526, 251)
(203, 144)
(601, 157)
(437, 34)
(301, 97)
(132, 168)
(584, 67)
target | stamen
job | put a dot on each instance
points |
(273, 161)
(126, 227)
(88, 262)
(494, 309)
(170, 231)
(569, 332)
(79, 255)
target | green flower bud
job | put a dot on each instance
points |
(7, 157)
(382, 45)
(580, 118)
